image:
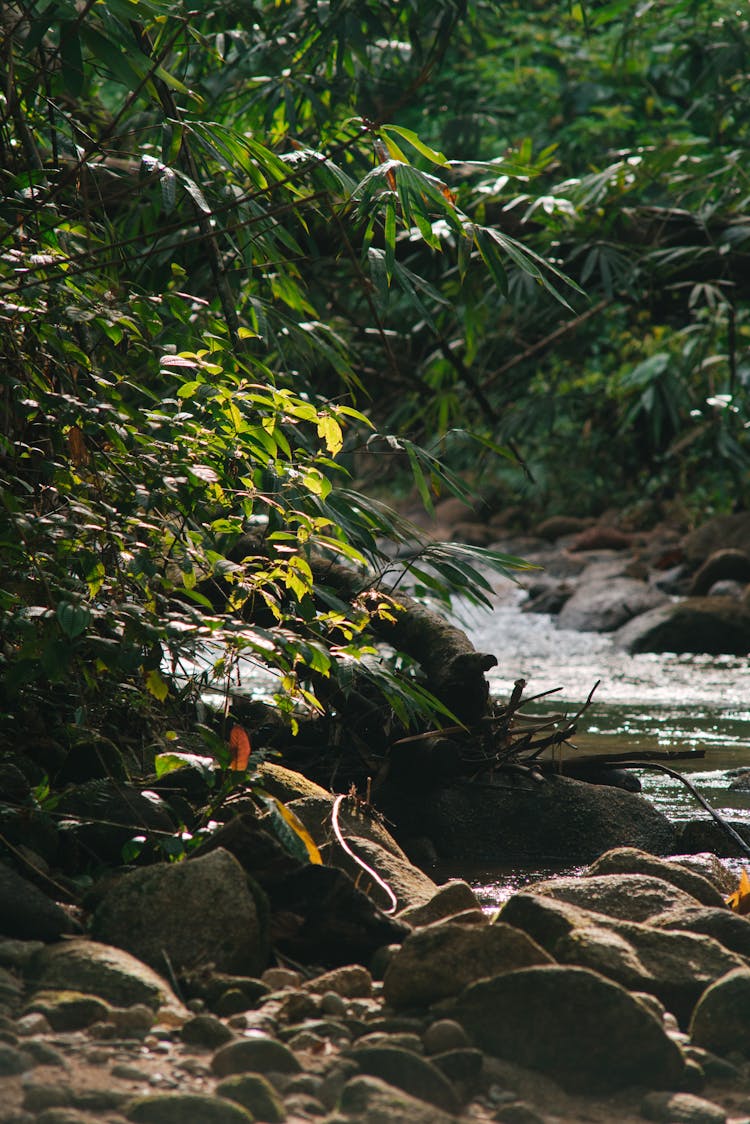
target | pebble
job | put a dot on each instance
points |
(43, 1053)
(276, 978)
(125, 1072)
(517, 1112)
(38, 1096)
(445, 1034)
(206, 1030)
(33, 1023)
(186, 1108)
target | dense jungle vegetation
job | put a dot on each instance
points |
(264, 264)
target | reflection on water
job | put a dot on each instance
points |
(643, 702)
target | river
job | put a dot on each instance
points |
(642, 702)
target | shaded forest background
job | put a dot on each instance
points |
(265, 267)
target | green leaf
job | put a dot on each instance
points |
(165, 763)
(290, 831)
(156, 686)
(412, 138)
(73, 619)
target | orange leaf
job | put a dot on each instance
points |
(79, 454)
(739, 901)
(239, 743)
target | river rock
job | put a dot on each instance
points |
(27, 913)
(730, 929)
(370, 1100)
(179, 1108)
(287, 784)
(629, 860)
(721, 1019)
(68, 1010)
(700, 835)
(560, 818)
(111, 973)
(455, 896)
(257, 1054)
(197, 912)
(720, 533)
(410, 885)
(256, 1094)
(627, 897)
(408, 1071)
(681, 1108)
(711, 867)
(586, 1032)
(105, 814)
(315, 813)
(605, 605)
(721, 566)
(714, 625)
(439, 960)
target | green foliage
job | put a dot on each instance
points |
(205, 223)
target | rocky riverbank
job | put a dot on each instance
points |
(620, 995)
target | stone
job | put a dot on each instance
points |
(731, 930)
(410, 885)
(315, 814)
(444, 1034)
(630, 860)
(408, 1071)
(370, 1100)
(179, 1108)
(557, 526)
(721, 1019)
(38, 1095)
(463, 1068)
(104, 814)
(584, 1031)
(253, 1092)
(276, 978)
(563, 817)
(714, 625)
(711, 867)
(68, 1010)
(197, 912)
(517, 1112)
(605, 605)
(18, 954)
(327, 919)
(439, 960)
(28, 914)
(34, 1023)
(63, 1115)
(206, 1030)
(256, 1054)
(13, 1061)
(111, 973)
(43, 1053)
(449, 899)
(351, 981)
(681, 1108)
(628, 897)
(723, 532)
(702, 834)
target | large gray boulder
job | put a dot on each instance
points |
(730, 929)
(573, 1025)
(605, 604)
(197, 912)
(714, 625)
(627, 897)
(439, 960)
(562, 818)
(410, 885)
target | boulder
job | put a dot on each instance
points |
(721, 1019)
(455, 896)
(439, 960)
(629, 860)
(720, 533)
(603, 606)
(675, 970)
(197, 912)
(557, 526)
(681, 1108)
(315, 814)
(627, 897)
(111, 973)
(410, 885)
(728, 928)
(573, 1025)
(714, 625)
(560, 819)
(374, 1101)
(699, 835)
(178, 1108)
(29, 914)
(408, 1071)
(711, 867)
(722, 565)
(287, 784)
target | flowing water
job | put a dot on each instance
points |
(643, 702)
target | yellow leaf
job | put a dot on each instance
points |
(330, 431)
(739, 901)
(299, 830)
(156, 686)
